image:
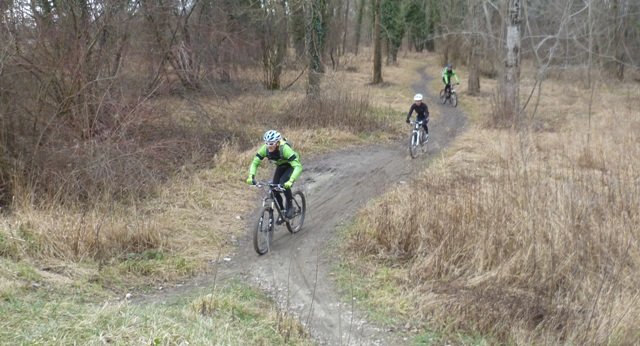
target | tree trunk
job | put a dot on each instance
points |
(473, 63)
(274, 43)
(474, 68)
(377, 43)
(359, 25)
(510, 86)
(345, 27)
(297, 27)
(314, 42)
(432, 17)
(621, 8)
(492, 53)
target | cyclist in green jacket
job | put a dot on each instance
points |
(287, 161)
(447, 73)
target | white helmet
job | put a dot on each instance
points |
(418, 97)
(271, 136)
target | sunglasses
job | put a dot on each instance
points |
(270, 144)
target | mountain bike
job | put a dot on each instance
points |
(451, 96)
(263, 233)
(418, 138)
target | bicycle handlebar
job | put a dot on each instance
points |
(275, 187)
(414, 122)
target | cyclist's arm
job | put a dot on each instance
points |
(413, 107)
(445, 77)
(294, 161)
(261, 154)
(456, 75)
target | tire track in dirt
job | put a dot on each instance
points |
(297, 270)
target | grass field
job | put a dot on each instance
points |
(523, 236)
(66, 269)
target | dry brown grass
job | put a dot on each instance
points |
(530, 237)
(195, 210)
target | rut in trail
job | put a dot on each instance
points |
(296, 272)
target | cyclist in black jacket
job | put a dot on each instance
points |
(422, 112)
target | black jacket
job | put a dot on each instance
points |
(422, 110)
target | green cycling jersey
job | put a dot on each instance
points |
(446, 76)
(285, 155)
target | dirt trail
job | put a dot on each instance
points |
(297, 269)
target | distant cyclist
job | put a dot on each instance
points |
(287, 161)
(447, 73)
(422, 112)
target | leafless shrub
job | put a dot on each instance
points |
(552, 250)
(333, 108)
(499, 117)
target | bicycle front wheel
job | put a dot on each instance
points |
(443, 97)
(454, 100)
(294, 225)
(413, 145)
(263, 233)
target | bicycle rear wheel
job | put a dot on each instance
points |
(413, 145)
(294, 225)
(263, 234)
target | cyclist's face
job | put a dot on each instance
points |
(418, 102)
(272, 146)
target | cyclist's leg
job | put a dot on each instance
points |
(284, 177)
(424, 123)
(278, 179)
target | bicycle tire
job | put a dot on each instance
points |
(294, 225)
(263, 233)
(413, 145)
(454, 100)
(443, 98)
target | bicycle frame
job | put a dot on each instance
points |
(451, 91)
(417, 137)
(270, 200)
(417, 130)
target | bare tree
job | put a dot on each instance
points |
(274, 42)
(345, 26)
(377, 43)
(474, 48)
(620, 10)
(510, 82)
(358, 29)
(314, 42)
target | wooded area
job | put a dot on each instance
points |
(76, 75)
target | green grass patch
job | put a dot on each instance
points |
(429, 337)
(375, 291)
(144, 269)
(233, 314)
(8, 247)
(380, 289)
(372, 289)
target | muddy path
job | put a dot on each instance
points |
(297, 270)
